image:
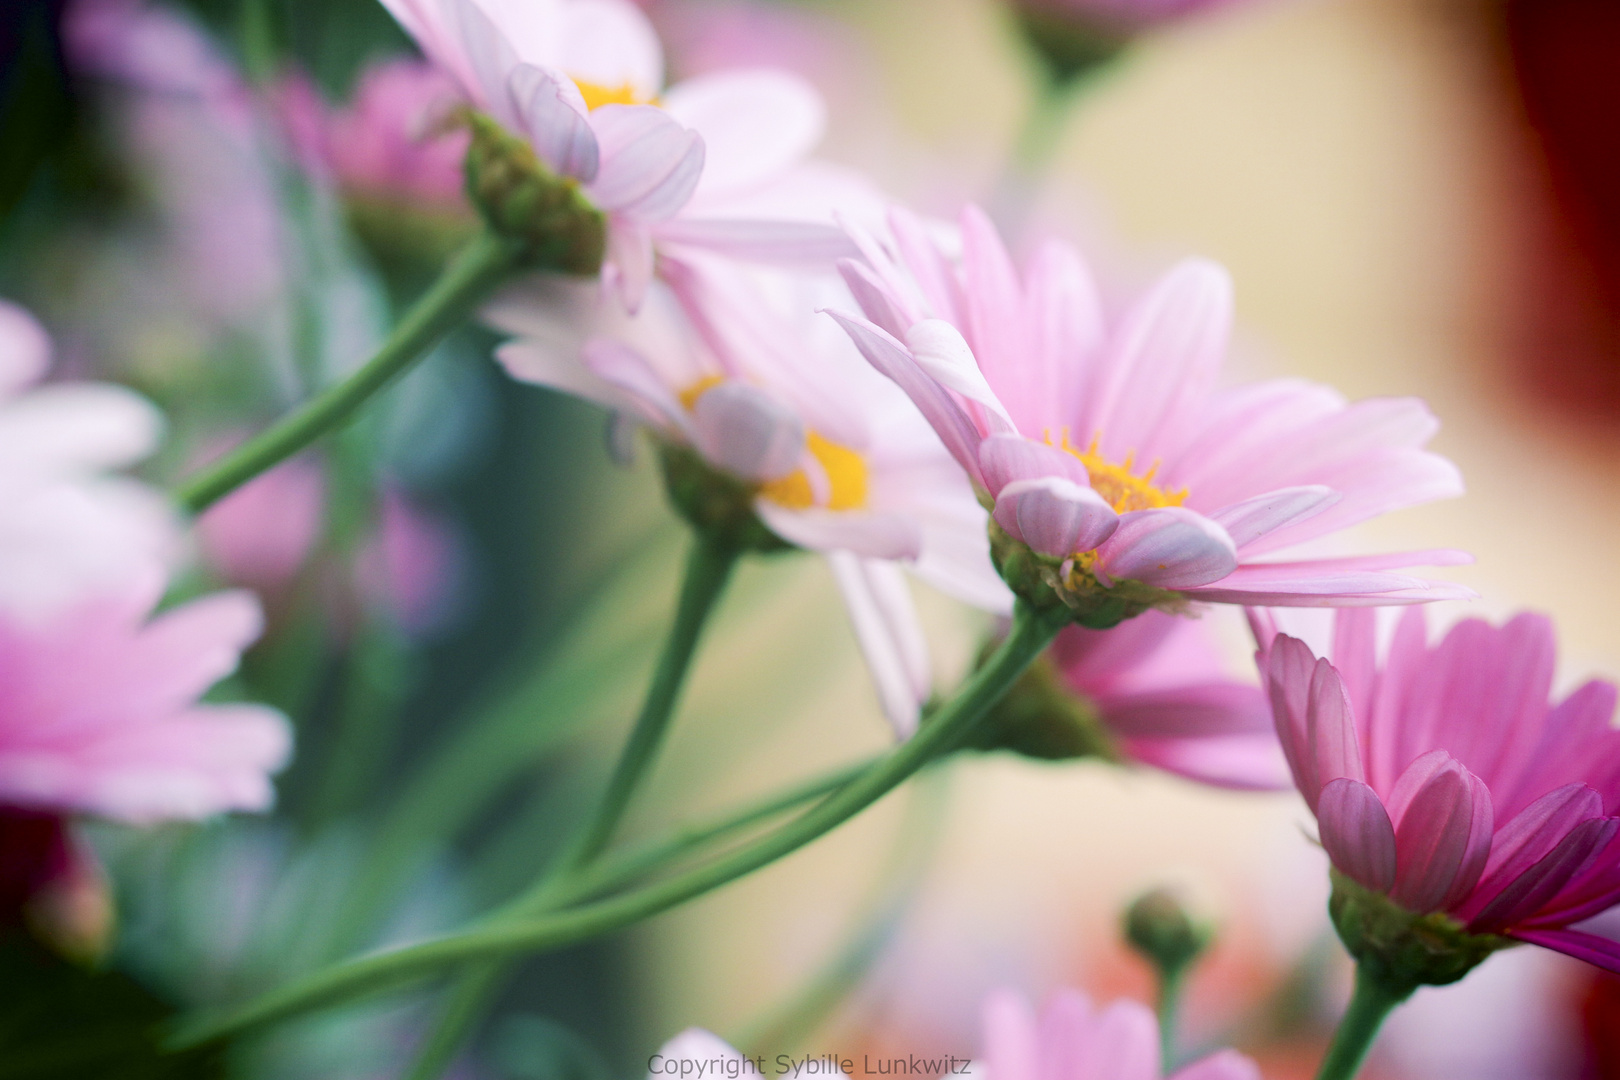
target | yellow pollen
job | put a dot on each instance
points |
(1122, 488)
(690, 395)
(846, 479)
(596, 95)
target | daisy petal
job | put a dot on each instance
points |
(1168, 547)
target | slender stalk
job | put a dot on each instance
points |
(708, 568)
(1172, 982)
(468, 280)
(1372, 1001)
(1031, 632)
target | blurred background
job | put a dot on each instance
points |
(1415, 197)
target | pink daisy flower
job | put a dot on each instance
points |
(1158, 687)
(1106, 445)
(1445, 779)
(583, 81)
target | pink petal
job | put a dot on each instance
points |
(1009, 1037)
(1187, 712)
(1598, 951)
(1331, 739)
(1288, 667)
(746, 432)
(1442, 840)
(877, 536)
(755, 124)
(1253, 518)
(1221, 1065)
(650, 165)
(1527, 893)
(1356, 833)
(876, 300)
(628, 371)
(787, 243)
(942, 412)
(1064, 1040)
(1533, 832)
(1054, 516)
(992, 299)
(943, 353)
(554, 118)
(1355, 656)
(1125, 1043)
(1005, 458)
(1170, 548)
(890, 637)
(1066, 330)
(25, 349)
(607, 42)
(1240, 762)
(1162, 362)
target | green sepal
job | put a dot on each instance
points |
(715, 503)
(1401, 949)
(523, 199)
(1159, 925)
(1040, 717)
(1047, 583)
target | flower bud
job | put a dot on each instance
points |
(1040, 717)
(1068, 46)
(521, 198)
(1401, 949)
(1160, 926)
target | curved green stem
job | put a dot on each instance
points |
(708, 568)
(466, 282)
(1031, 632)
(1372, 1001)
(1172, 981)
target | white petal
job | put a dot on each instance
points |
(78, 426)
(942, 352)
(25, 348)
(628, 267)
(649, 163)
(610, 43)
(886, 627)
(693, 1044)
(1171, 547)
(629, 371)
(747, 432)
(554, 118)
(877, 536)
(755, 124)
(1055, 516)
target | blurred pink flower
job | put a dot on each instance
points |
(68, 528)
(1106, 443)
(51, 884)
(1159, 688)
(583, 81)
(99, 712)
(1444, 778)
(409, 566)
(731, 361)
(385, 143)
(261, 534)
(1074, 1040)
(1121, 18)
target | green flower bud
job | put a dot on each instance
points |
(715, 503)
(1160, 925)
(1399, 949)
(1040, 717)
(523, 199)
(1068, 48)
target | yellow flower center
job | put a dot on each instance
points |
(844, 468)
(1117, 484)
(596, 95)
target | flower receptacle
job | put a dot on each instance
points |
(1401, 949)
(522, 199)
(1047, 583)
(1039, 717)
(715, 503)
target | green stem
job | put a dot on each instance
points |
(466, 282)
(1172, 982)
(1031, 632)
(1372, 1001)
(708, 568)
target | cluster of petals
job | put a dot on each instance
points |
(1109, 441)
(1073, 1039)
(1443, 776)
(1159, 688)
(732, 361)
(98, 708)
(582, 80)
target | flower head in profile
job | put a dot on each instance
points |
(582, 82)
(1453, 796)
(1073, 1039)
(749, 392)
(1153, 691)
(1122, 475)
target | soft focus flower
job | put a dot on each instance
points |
(1158, 687)
(1076, 1041)
(1443, 779)
(51, 884)
(409, 566)
(1106, 445)
(261, 534)
(389, 142)
(67, 528)
(99, 710)
(582, 81)
(739, 370)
